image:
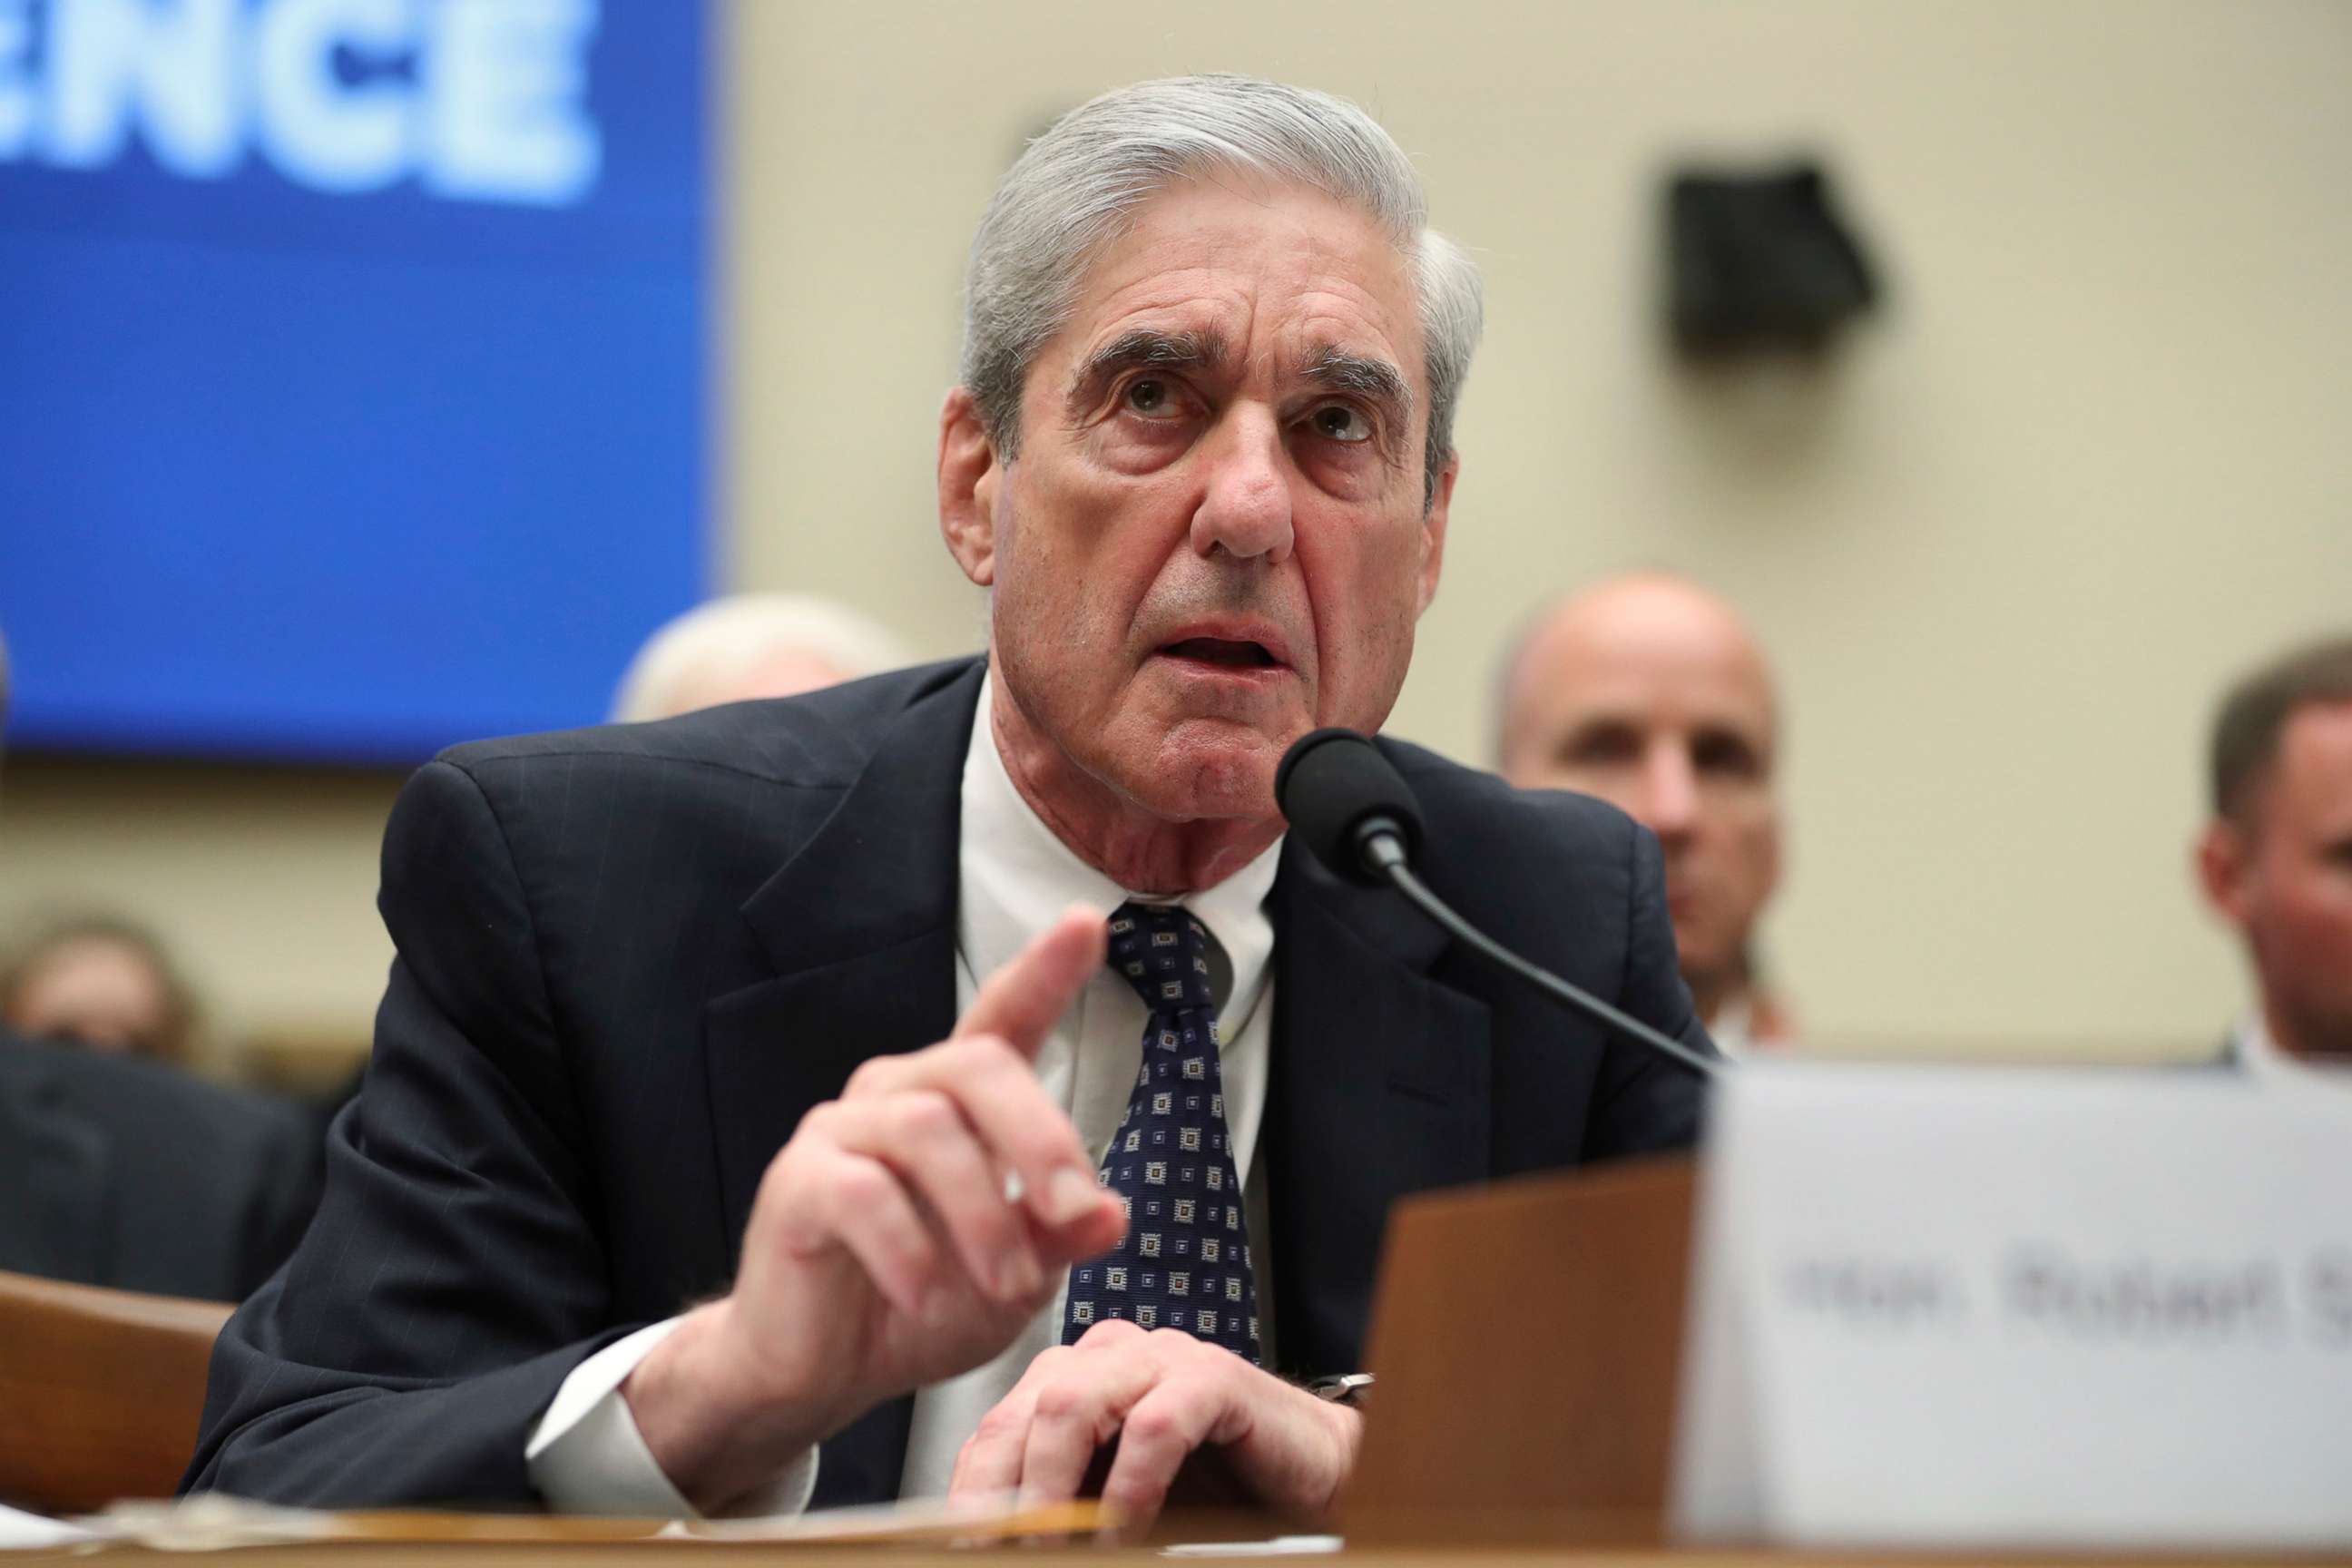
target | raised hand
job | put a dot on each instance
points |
(904, 1235)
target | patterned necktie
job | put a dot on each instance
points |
(1185, 1260)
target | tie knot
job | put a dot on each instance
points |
(1163, 951)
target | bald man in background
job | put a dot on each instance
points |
(1650, 692)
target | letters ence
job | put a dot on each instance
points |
(474, 100)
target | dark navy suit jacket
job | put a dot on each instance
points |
(630, 960)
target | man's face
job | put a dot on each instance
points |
(2284, 878)
(94, 991)
(1656, 702)
(1213, 539)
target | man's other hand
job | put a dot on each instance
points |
(1163, 1395)
(904, 1235)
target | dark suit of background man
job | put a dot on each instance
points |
(120, 1172)
(665, 1016)
(131, 1175)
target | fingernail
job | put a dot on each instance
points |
(1070, 1194)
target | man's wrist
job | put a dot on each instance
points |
(712, 1423)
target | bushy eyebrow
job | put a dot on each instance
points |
(1146, 348)
(1330, 367)
(1375, 379)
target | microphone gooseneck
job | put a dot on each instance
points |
(1354, 811)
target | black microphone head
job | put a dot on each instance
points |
(1334, 782)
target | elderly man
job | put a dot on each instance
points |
(784, 1008)
(2276, 860)
(1651, 693)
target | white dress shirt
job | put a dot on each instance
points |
(2261, 1059)
(1014, 879)
(1728, 1029)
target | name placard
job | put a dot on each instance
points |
(2018, 1308)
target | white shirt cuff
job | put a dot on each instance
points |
(587, 1456)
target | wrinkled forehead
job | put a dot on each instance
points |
(1251, 277)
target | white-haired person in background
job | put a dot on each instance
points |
(751, 645)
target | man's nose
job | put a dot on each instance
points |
(1246, 508)
(1669, 802)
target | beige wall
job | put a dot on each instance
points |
(2004, 550)
(263, 882)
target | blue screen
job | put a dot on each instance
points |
(353, 366)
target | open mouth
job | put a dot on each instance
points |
(1229, 653)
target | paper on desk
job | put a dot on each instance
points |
(986, 1518)
(214, 1521)
(21, 1531)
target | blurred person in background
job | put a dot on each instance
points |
(2275, 861)
(1650, 692)
(102, 982)
(751, 645)
(126, 1172)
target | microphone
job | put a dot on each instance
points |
(1358, 817)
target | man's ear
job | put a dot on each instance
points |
(1433, 524)
(2225, 869)
(969, 477)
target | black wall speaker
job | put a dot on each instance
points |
(1759, 261)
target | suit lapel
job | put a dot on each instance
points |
(1380, 1087)
(859, 928)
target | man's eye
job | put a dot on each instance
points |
(1725, 756)
(1339, 422)
(1606, 747)
(1151, 398)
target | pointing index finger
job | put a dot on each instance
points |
(1019, 1001)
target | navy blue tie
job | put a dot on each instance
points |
(1185, 1261)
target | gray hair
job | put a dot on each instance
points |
(719, 643)
(1073, 190)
